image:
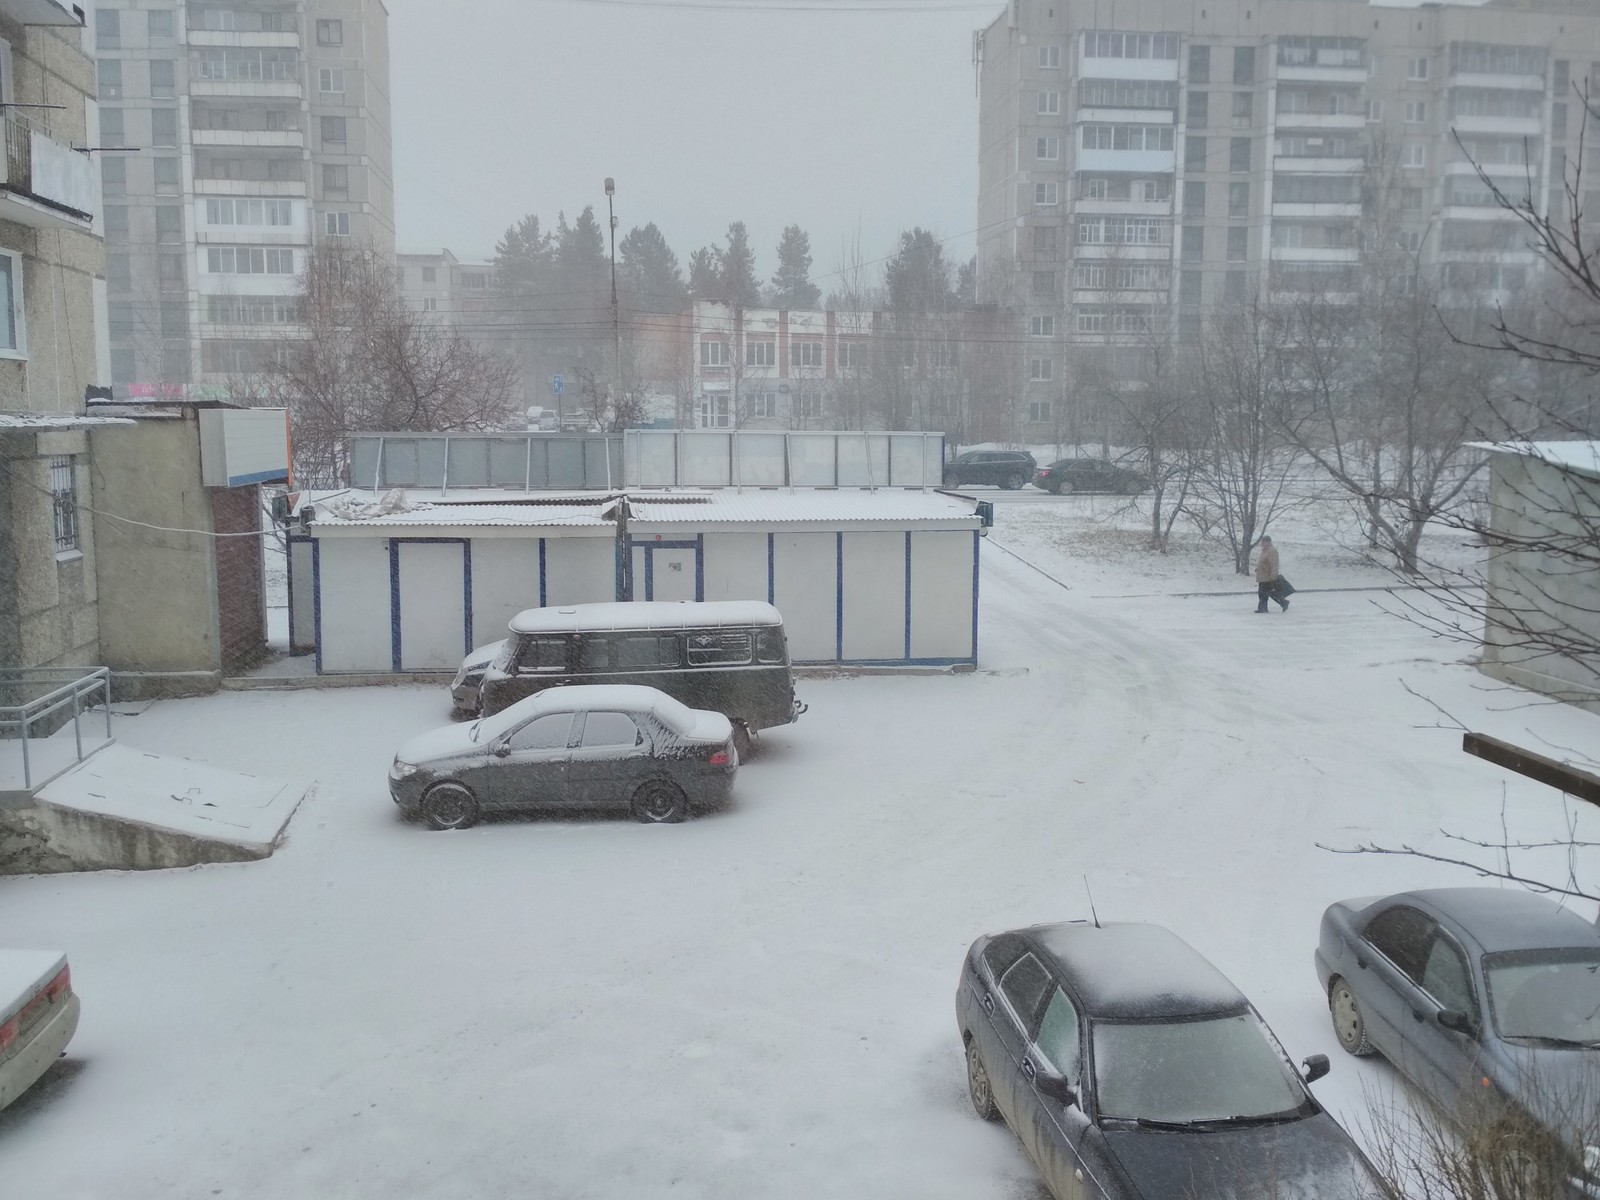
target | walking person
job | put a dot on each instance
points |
(1268, 577)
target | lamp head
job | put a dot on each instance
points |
(611, 185)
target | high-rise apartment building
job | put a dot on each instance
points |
(1143, 161)
(254, 130)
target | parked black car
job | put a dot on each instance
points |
(1089, 475)
(1129, 1066)
(1489, 1002)
(1009, 469)
(466, 687)
(567, 746)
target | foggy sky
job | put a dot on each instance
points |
(849, 124)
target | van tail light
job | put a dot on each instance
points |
(719, 758)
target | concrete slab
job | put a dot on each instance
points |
(125, 809)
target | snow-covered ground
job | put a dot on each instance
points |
(759, 1003)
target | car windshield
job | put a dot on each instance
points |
(1545, 994)
(1185, 1072)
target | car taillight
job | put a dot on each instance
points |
(8, 1033)
(719, 758)
(58, 987)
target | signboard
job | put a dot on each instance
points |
(558, 384)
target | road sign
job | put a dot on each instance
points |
(558, 384)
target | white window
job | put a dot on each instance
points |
(1416, 112)
(715, 411)
(1048, 148)
(1038, 410)
(1043, 327)
(1417, 69)
(852, 356)
(1049, 58)
(761, 404)
(241, 211)
(1041, 370)
(334, 129)
(249, 260)
(713, 353)
(430, 304)
(761, 352)
(808, 406)
(1046, 192)
(1414, 154)
(1049, 104)
(430, 274)
(1096, 187)
(13, 339)
(330, 33)
(338, 224)
(805, 354)
(331, 79)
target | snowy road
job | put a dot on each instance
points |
(758, 1003)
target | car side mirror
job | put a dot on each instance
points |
(1315, 1067)
(1057, 1087)
(500, 749)
(1456, 1020)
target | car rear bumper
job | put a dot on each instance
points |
(42, 1049)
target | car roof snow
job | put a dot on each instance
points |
(1135, 972)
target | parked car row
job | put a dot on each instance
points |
(649, 704)
(1011, 469)
(1129, 1066)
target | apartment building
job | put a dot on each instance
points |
(251, 131)
(52, 352)
(1143, 162)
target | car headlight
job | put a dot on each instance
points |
(1591, 1161)
(400, 770)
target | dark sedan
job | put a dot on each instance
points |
(570, 746)
(1089, 475)
(1488, 1001)
(1129, 1066)
(1008, 469)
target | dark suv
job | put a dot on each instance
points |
(1089, 475)
(1003, 468)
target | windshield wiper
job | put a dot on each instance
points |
(1152, 1123)
(1580, 1043)
(1277, 1118)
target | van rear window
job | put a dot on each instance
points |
(719, 647)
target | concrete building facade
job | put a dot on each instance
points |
(253, 130)
(1143, 161)
(52, 303)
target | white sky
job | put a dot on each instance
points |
(840, 122)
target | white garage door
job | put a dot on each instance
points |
(433, 605)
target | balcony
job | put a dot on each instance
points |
(249, 187)
(256, 38)
(1497, 81)
(39, 12)
(1127, 116)
(1299, 120)
(277, 89)
(1321, 209)
(1124, 208)
(292, 138)
(46, 184)
(1143, 162)
(1288, 165)
(1311, 73)
(1516, 126)
(1321, 254)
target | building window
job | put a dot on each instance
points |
(242, 211)
(333, 129)
(1411, 199)
(335, 180)
(1239, 154)
(808, 407)
(1194, 243)
(116, 216)
(1194, 153)
(166, 176)
(337, 224)
(119, 271)
(1188, 287)
(164, 127)
(1127, 137)
(331, 80)
(1096, 187)
(174, 319)
(1416, 112)
(1049, 58)
(1417, 70)
(169, 223)
(163, 78)
(111, 128)
(1414, 154)
(1238, 199)
(1199, 64)
(1130, 45)
(1238, 243)
(330, 33)
(760, 352)
(1049, 104)
(107, 29)
(1044, 240)
(760, 405)
(114, 175)
(1044, 284)
(430, 304)
(1233, 287)
(1038, 410)
(715, 412)
(852, 355)
(1244, 64)
(1558, 120)
(430, 274)
(1048, 148)
(1043, 327)
(713, 353)
(1244, 109)
(805, 354)
(249, 260)
(1197, 110)
(13, 342)
(1041, 370)
(1194, 198)
(160, 24)
(64, 494)
(1046, 192)
(109, 78)
(170, 273)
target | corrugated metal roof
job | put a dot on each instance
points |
(429, 516)
(846, 506)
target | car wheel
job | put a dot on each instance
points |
(1065, 487)
(450, 806)
(979, 1089)
(743, 741)
(1348, 1022)
(660, 803)
(1013, 481)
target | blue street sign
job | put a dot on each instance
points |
(558, 384)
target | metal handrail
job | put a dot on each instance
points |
(79, 685)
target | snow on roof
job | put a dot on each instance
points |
(1575, 455)
(44, 422)
(849, 505)
(644, 614)
(22, 974)
(433, 515)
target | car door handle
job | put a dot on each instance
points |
(1028, 1070)
(988, 1003)
(1417, 1014)
(1361, 961)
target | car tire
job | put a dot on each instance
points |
(1013, 481)
(660, 803)
(979, 1090)
(449, 806)
(744, 742)
(1065, 488)
(1348, 1024)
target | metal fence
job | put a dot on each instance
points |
(73, 690)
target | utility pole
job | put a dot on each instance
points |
(616, 323)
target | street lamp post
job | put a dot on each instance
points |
(616, 324)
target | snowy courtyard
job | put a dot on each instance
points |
(759, 1003)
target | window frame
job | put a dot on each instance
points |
(330, 31)
(64, 505)
(15, 321)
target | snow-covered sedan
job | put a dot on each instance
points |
(1132, 1069)
(38, 1016)
(575, 745)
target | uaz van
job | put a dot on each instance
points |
(728, 656)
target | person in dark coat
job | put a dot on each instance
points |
(1267, 573)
